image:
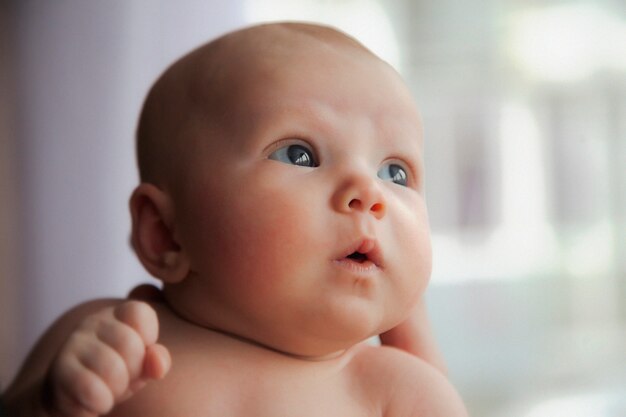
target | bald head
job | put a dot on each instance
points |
(199, 88)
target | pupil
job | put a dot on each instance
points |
(397, 174)
(299, 155)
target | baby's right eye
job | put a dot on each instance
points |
(295, 154)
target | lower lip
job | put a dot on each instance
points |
(365, 267)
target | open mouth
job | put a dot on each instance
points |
(358, 257)
(364, 255)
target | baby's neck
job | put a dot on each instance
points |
(182, 314)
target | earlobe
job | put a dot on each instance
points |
(153, 235)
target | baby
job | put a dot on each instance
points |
(282, 206)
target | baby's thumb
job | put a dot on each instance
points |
(157, 362)
(156, 365)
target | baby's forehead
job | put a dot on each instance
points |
(225, 72)
(272, 45)
(280, 63)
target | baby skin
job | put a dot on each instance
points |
(282, 205)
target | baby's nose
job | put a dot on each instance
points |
(360, 194)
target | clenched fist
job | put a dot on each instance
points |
(110, 355)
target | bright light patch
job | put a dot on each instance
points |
(591, 253)
(523, 180)
(567, 42)
(596, 405)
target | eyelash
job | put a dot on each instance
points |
(280, 151)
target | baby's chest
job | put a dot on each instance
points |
(236, 390)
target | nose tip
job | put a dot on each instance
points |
(360, 195)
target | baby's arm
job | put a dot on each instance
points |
(94, 357)
(415, 336)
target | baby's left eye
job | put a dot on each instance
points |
(394, 173)
(295, 154)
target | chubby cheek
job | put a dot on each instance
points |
(413, 255)
(258, 236)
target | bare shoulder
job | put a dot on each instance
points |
(405, 385)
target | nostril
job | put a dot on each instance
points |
(377, 208)
(355, 204)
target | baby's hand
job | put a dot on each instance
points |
(111, 355)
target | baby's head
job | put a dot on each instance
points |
(282, 189)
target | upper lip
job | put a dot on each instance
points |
(367, 247)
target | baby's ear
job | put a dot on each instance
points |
(153, 235)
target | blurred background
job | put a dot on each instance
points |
(524, 106)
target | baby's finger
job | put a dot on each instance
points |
(78, 391)
(126, 341)
(105, 363)
(157, 362)
(141, 317)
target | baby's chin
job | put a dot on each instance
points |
(331, 337)
(312, 332)
(334, 342)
